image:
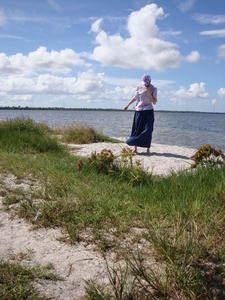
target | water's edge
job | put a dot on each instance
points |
(188, 129)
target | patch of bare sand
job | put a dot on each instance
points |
(163, 160)
(73, 263)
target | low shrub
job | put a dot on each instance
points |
(121, 167)
(207, 155)
(103, 161)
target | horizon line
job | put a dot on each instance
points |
(94, 109)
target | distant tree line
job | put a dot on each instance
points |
(53, 108)
(92, 109)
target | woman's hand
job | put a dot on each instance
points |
(151, 98)
(129, 103)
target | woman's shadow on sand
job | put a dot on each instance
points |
(173, 155)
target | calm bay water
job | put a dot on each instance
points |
(173, 128)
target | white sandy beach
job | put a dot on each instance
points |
(163, 159)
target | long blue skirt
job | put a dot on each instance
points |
(142, 129)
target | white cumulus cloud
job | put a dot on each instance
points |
(40, 60)
(194, 56)
(195, 90)
(88, 85)
(144, 48)
(85, 82)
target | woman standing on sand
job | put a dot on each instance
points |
(145, 97)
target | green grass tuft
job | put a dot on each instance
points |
(82, 134)
(25, 136)
(16, 281)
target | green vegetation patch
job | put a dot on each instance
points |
(25, 136)
(182, 216)
(86, 198)
(16, 281)
(82, 134)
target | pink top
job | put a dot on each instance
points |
(142, 99)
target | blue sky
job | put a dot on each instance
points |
(93, 53)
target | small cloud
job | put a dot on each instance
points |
(19, 17)
(13, 37)
(171, 33)
(214, 102)
(95, 27)
(221, 93)
(193, 57)
(21, 97)
(161, 83)
(209, 19)
(218, 33)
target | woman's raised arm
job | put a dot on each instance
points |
(129, 103)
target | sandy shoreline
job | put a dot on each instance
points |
(163, 159)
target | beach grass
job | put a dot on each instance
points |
(82, 134)
(24, 135)
(17, 281)
(181, 217)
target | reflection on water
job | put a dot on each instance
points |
(174, 128)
